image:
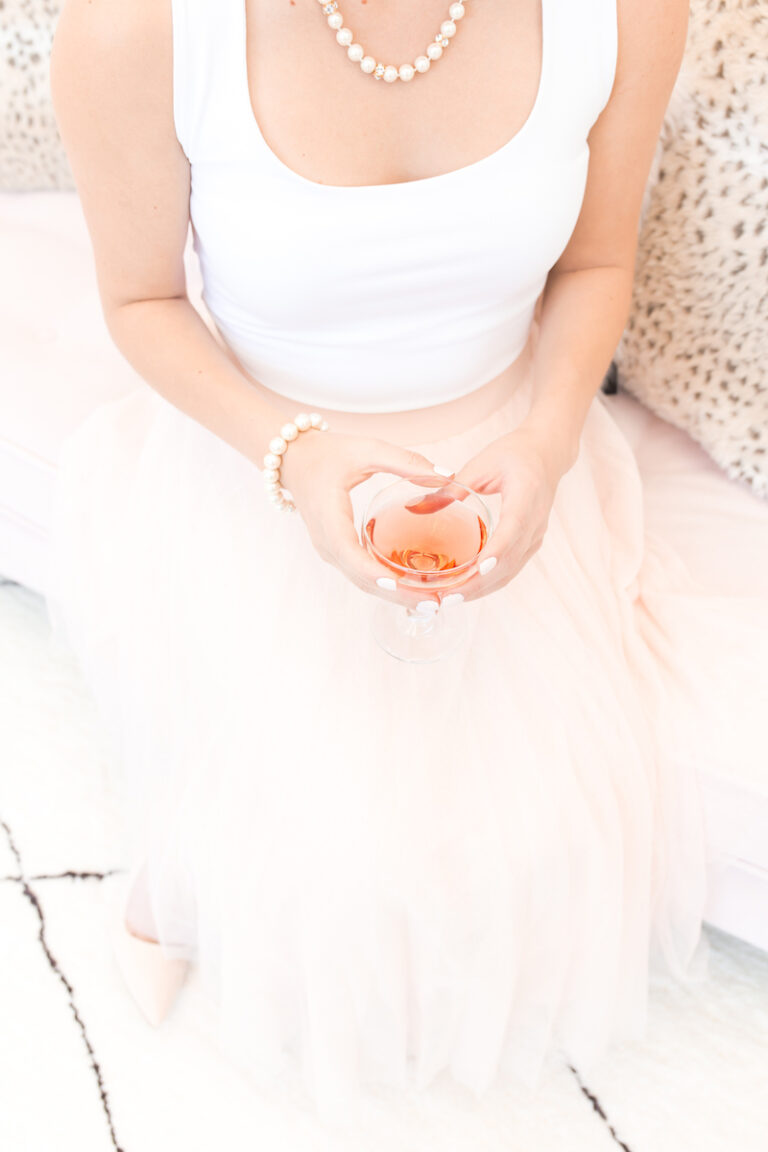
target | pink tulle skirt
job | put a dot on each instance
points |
(385, 871)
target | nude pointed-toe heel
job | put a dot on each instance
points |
(152, 975)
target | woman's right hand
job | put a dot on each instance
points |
(319, 469)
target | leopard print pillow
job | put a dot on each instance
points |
(695, 348)
(32, 156)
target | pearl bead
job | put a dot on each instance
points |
(388, 72)
(273, 488)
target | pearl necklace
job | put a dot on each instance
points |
(389, 72)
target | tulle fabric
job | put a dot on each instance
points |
(387, 871)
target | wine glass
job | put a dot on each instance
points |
(428, 532)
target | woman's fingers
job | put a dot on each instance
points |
(506, 551)
(482, 585)
(325, 503)
(344, 549)
(508, 540)
(434, 501)
(381, 456)
(349, 553)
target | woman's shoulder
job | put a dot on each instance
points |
(651, 38)
(114, 26)
(113, 54)
(112, 86)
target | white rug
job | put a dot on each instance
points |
(81, 1072)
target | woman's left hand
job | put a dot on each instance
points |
(526, 472)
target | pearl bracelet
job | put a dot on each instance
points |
(278, 446)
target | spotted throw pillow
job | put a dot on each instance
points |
(695, 349)
(31, 153)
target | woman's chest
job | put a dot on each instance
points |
(475, 239)
(333, 124)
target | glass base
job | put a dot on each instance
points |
(414, 638)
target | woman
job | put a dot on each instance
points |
(381, 870)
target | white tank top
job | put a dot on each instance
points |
(381, 297)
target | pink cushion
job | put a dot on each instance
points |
(718, 525)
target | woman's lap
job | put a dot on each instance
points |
(490, 819)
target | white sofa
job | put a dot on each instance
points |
(58, 363)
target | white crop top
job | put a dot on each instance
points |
(433, 292)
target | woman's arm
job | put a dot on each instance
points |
(588, 293)
(586, 298)
(112, 83)
(111, 79)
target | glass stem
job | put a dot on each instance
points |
(418, 623)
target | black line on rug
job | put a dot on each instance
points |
(54, 965)
(599, 1109)
(68, 875)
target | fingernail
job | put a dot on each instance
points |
(386, 582)
(487, 565)
(426, 606)
(443, 471)
(452, 598)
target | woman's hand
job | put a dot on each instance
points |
(318, 470)
(525, 471)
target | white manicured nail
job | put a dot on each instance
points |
(443, 471)
(487, 565)
(386, 582)
(452, 598)
(426, 606)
